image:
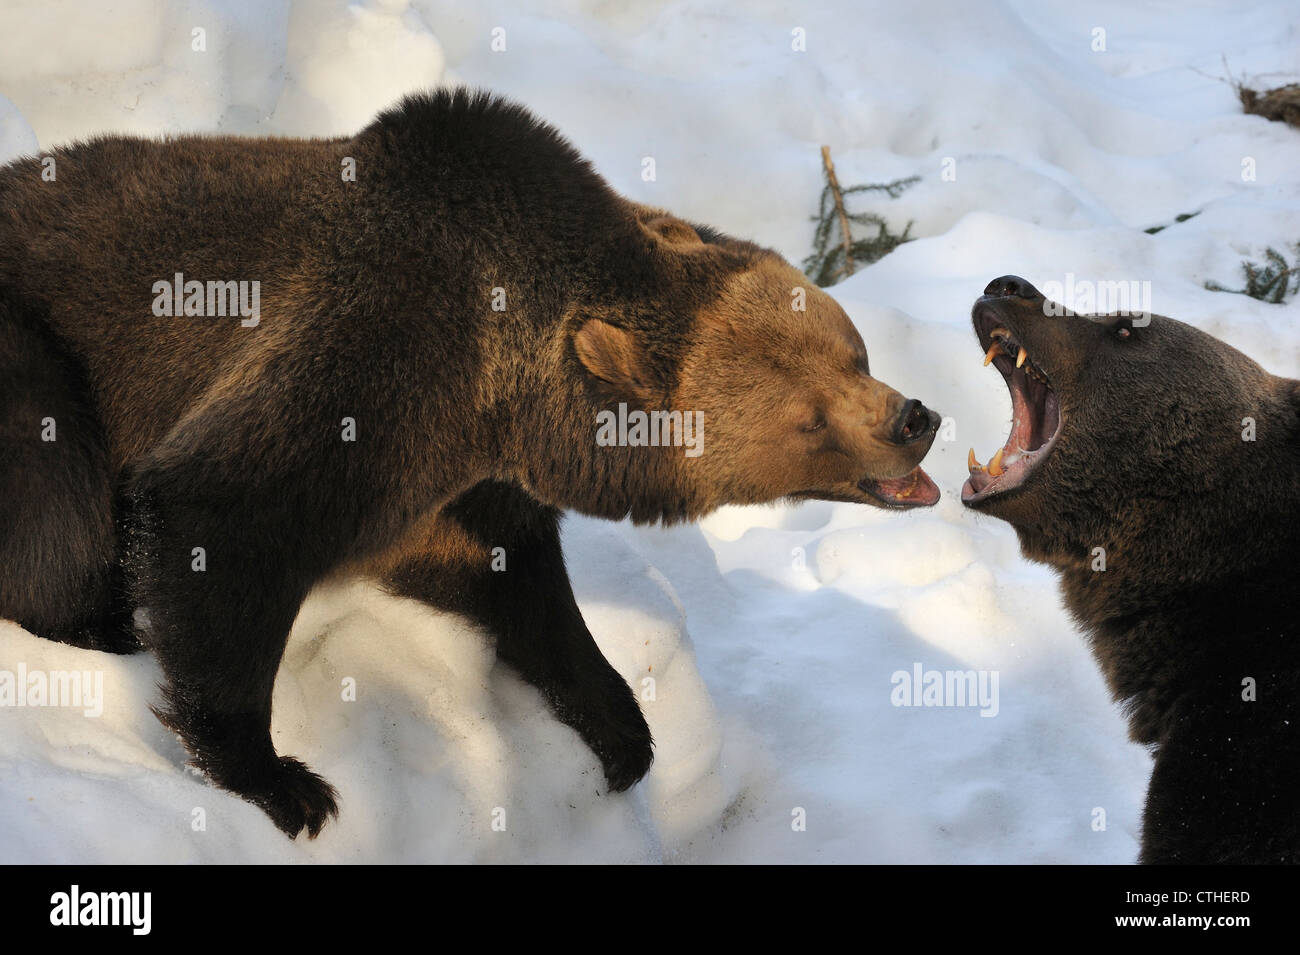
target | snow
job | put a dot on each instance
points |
(771, 634)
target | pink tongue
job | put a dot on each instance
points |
(901, 485)
(915, 485)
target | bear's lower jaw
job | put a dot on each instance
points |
(1016, 466)
(914, 489)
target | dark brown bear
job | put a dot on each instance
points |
(1158, 470)
(414, 382)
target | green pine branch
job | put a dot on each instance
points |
(837, 251)
(1269, 281)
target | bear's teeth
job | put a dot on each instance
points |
(907, 491)
(972, 463)
(1020, 359)
(994, 350)
(995, 464)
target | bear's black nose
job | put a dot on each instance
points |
(1011, 285)
(914, 422)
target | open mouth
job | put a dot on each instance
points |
(1035, 414)
(914, 489)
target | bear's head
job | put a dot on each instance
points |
(771, 372)
(1134, 434)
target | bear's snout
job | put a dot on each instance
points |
(1011, 286)
(915, 422)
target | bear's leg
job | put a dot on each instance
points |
(251, 499)
(220, 573)
(521, 594)
(59, 572)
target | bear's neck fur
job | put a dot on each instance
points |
(1184, 612)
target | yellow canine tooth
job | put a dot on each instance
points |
(1020, 359)
(994, 349)
(995, 464)
(972, 464)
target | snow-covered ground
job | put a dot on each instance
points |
(772, 634)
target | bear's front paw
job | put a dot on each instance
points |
(622, 740)
(625, 766)
(296, 798)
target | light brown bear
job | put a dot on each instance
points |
(264, 371)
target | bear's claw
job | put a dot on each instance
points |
(296, 799)
(624, 745)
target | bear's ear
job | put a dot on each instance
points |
(614, 356)
(673, 231)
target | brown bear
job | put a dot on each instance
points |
(1158, 470)
(231, 368)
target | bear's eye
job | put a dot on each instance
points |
(1123, 328)
(816, 424)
